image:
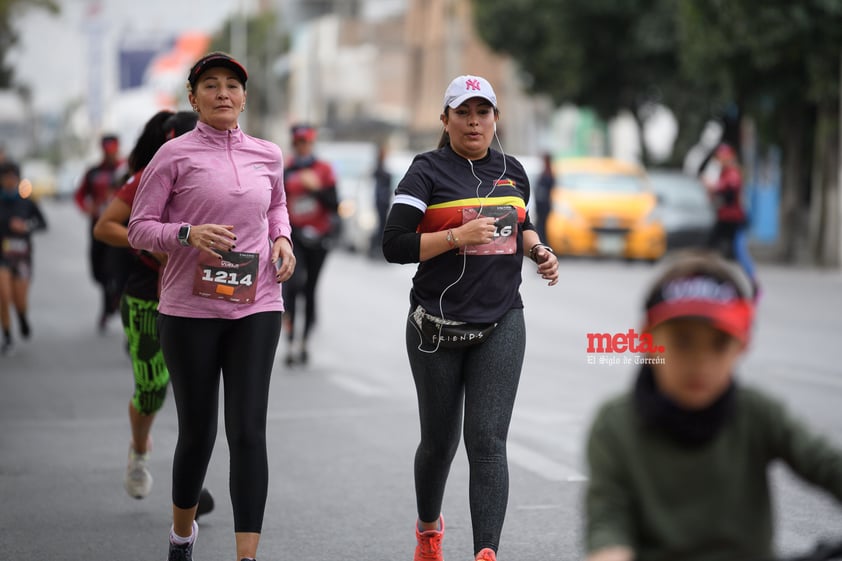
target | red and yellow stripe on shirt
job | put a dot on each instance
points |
(442, 216)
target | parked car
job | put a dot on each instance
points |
(684, 207)
(604, 207)
(352, 164)
(533, 166)
(69, 177)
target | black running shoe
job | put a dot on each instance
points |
(206, 503)
(25, 331)
(289, 360)
(183, 552)
(180, 552)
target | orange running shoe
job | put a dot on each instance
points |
(486, 554)
(429, 543)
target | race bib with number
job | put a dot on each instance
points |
(303, 205)
(15, 247)
(233, 278)
(505, 233)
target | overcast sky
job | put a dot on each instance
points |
(53, 56)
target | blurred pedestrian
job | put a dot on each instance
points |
(139, 305)
(93, 194)
(729, 236)
(679, 464)
(460, 212)
(313, 212)
(543, 194)
(213, 200)
(19, 219)
(382, 200)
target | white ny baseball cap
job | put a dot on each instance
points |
(465, 87)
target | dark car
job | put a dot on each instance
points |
(683, 206)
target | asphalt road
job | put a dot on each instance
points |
(342, 432)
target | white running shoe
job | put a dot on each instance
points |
(138, 479)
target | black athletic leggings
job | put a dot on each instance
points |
(485, 379)
(309, 262)
(243, 351)
(722, 237)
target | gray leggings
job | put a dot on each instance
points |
(485, 378)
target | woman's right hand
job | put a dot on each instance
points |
(210, 238)
(476, 232)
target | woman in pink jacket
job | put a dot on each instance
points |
(213, 200)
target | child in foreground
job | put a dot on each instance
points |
(678, 464)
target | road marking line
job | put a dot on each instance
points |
(541, 465)
(540, 507)
(356, 386)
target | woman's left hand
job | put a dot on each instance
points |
(282, 249)
(547, 265)
(18, 225)
(310, 179)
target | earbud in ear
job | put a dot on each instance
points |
(495, 126)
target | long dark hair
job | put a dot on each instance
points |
(180, 123)
(161, 127)
(152, 138)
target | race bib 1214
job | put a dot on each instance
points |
(233, 278)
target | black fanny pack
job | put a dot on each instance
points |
(450, 333)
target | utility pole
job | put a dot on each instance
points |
(94, 30)
(239, 35)
(239, 46)
(835, 226)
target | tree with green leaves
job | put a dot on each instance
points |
(780, 62)
(777, 62)
(9, 9)
(607, 55)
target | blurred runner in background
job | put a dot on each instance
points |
(382, 200)
(19, 218)
(93, 194)
(313, 204)
(139, 305)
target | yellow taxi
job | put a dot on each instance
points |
(604, 207)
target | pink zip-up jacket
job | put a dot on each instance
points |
(208, 176)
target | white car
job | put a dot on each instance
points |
(353, 164)
(683, 207)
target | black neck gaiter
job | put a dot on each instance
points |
(685, 427)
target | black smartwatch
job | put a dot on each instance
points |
(183, 234)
